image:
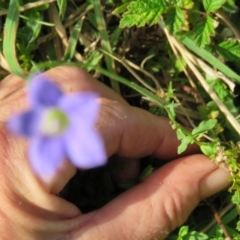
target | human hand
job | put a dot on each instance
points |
(30, 209)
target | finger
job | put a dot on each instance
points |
(134, 133)
(157, 206)
(10, 84)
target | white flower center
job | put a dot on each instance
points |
(54, 122)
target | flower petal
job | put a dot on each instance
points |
(26, 124)
(81, 107)
(45, 155)
(85, 147)
(44, 92)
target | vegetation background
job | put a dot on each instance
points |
(176, 58)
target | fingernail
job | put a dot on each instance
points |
(214, 182)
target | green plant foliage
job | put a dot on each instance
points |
(220, 88)
(185, 141)
(145, 173)
(141, 12)
(213, 5)
(201, 34)
(175, 19)
(62, 5)
(238, 226)
(229, 50)
(186, 4)
(183, 231)
(204, 127)
(10, 33)
(209, 149)
(33, 27)
(189, 138)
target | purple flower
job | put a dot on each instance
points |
(59, 127)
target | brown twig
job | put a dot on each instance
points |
(218, 219)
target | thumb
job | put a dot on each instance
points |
(160, 204)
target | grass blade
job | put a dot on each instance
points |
(70, 51)
(105, 41)
(208, 57)
(9, 39)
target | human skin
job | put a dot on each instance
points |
(30, 209)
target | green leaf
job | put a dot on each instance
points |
(202, 33)
(204, 127)
(238, 226)
(183, 146)
(194, 235)
(146, 172)
(175, 20)
(170, 92)
(213, 5)
(220, 88)
(182, 232)
(33, 26)
(141, 12)
(180, 134)
(236, 197)
(230, 50)
(170, 108)
(209, 149)
(93, 60)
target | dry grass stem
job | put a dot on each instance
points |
(29, 6)
(205, 85)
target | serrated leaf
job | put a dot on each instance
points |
(175, 20)
(183, 146)
(213, 5)
(220, 88)
(202, 33)
(204, 127)
(141, 12)
(230, 50)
